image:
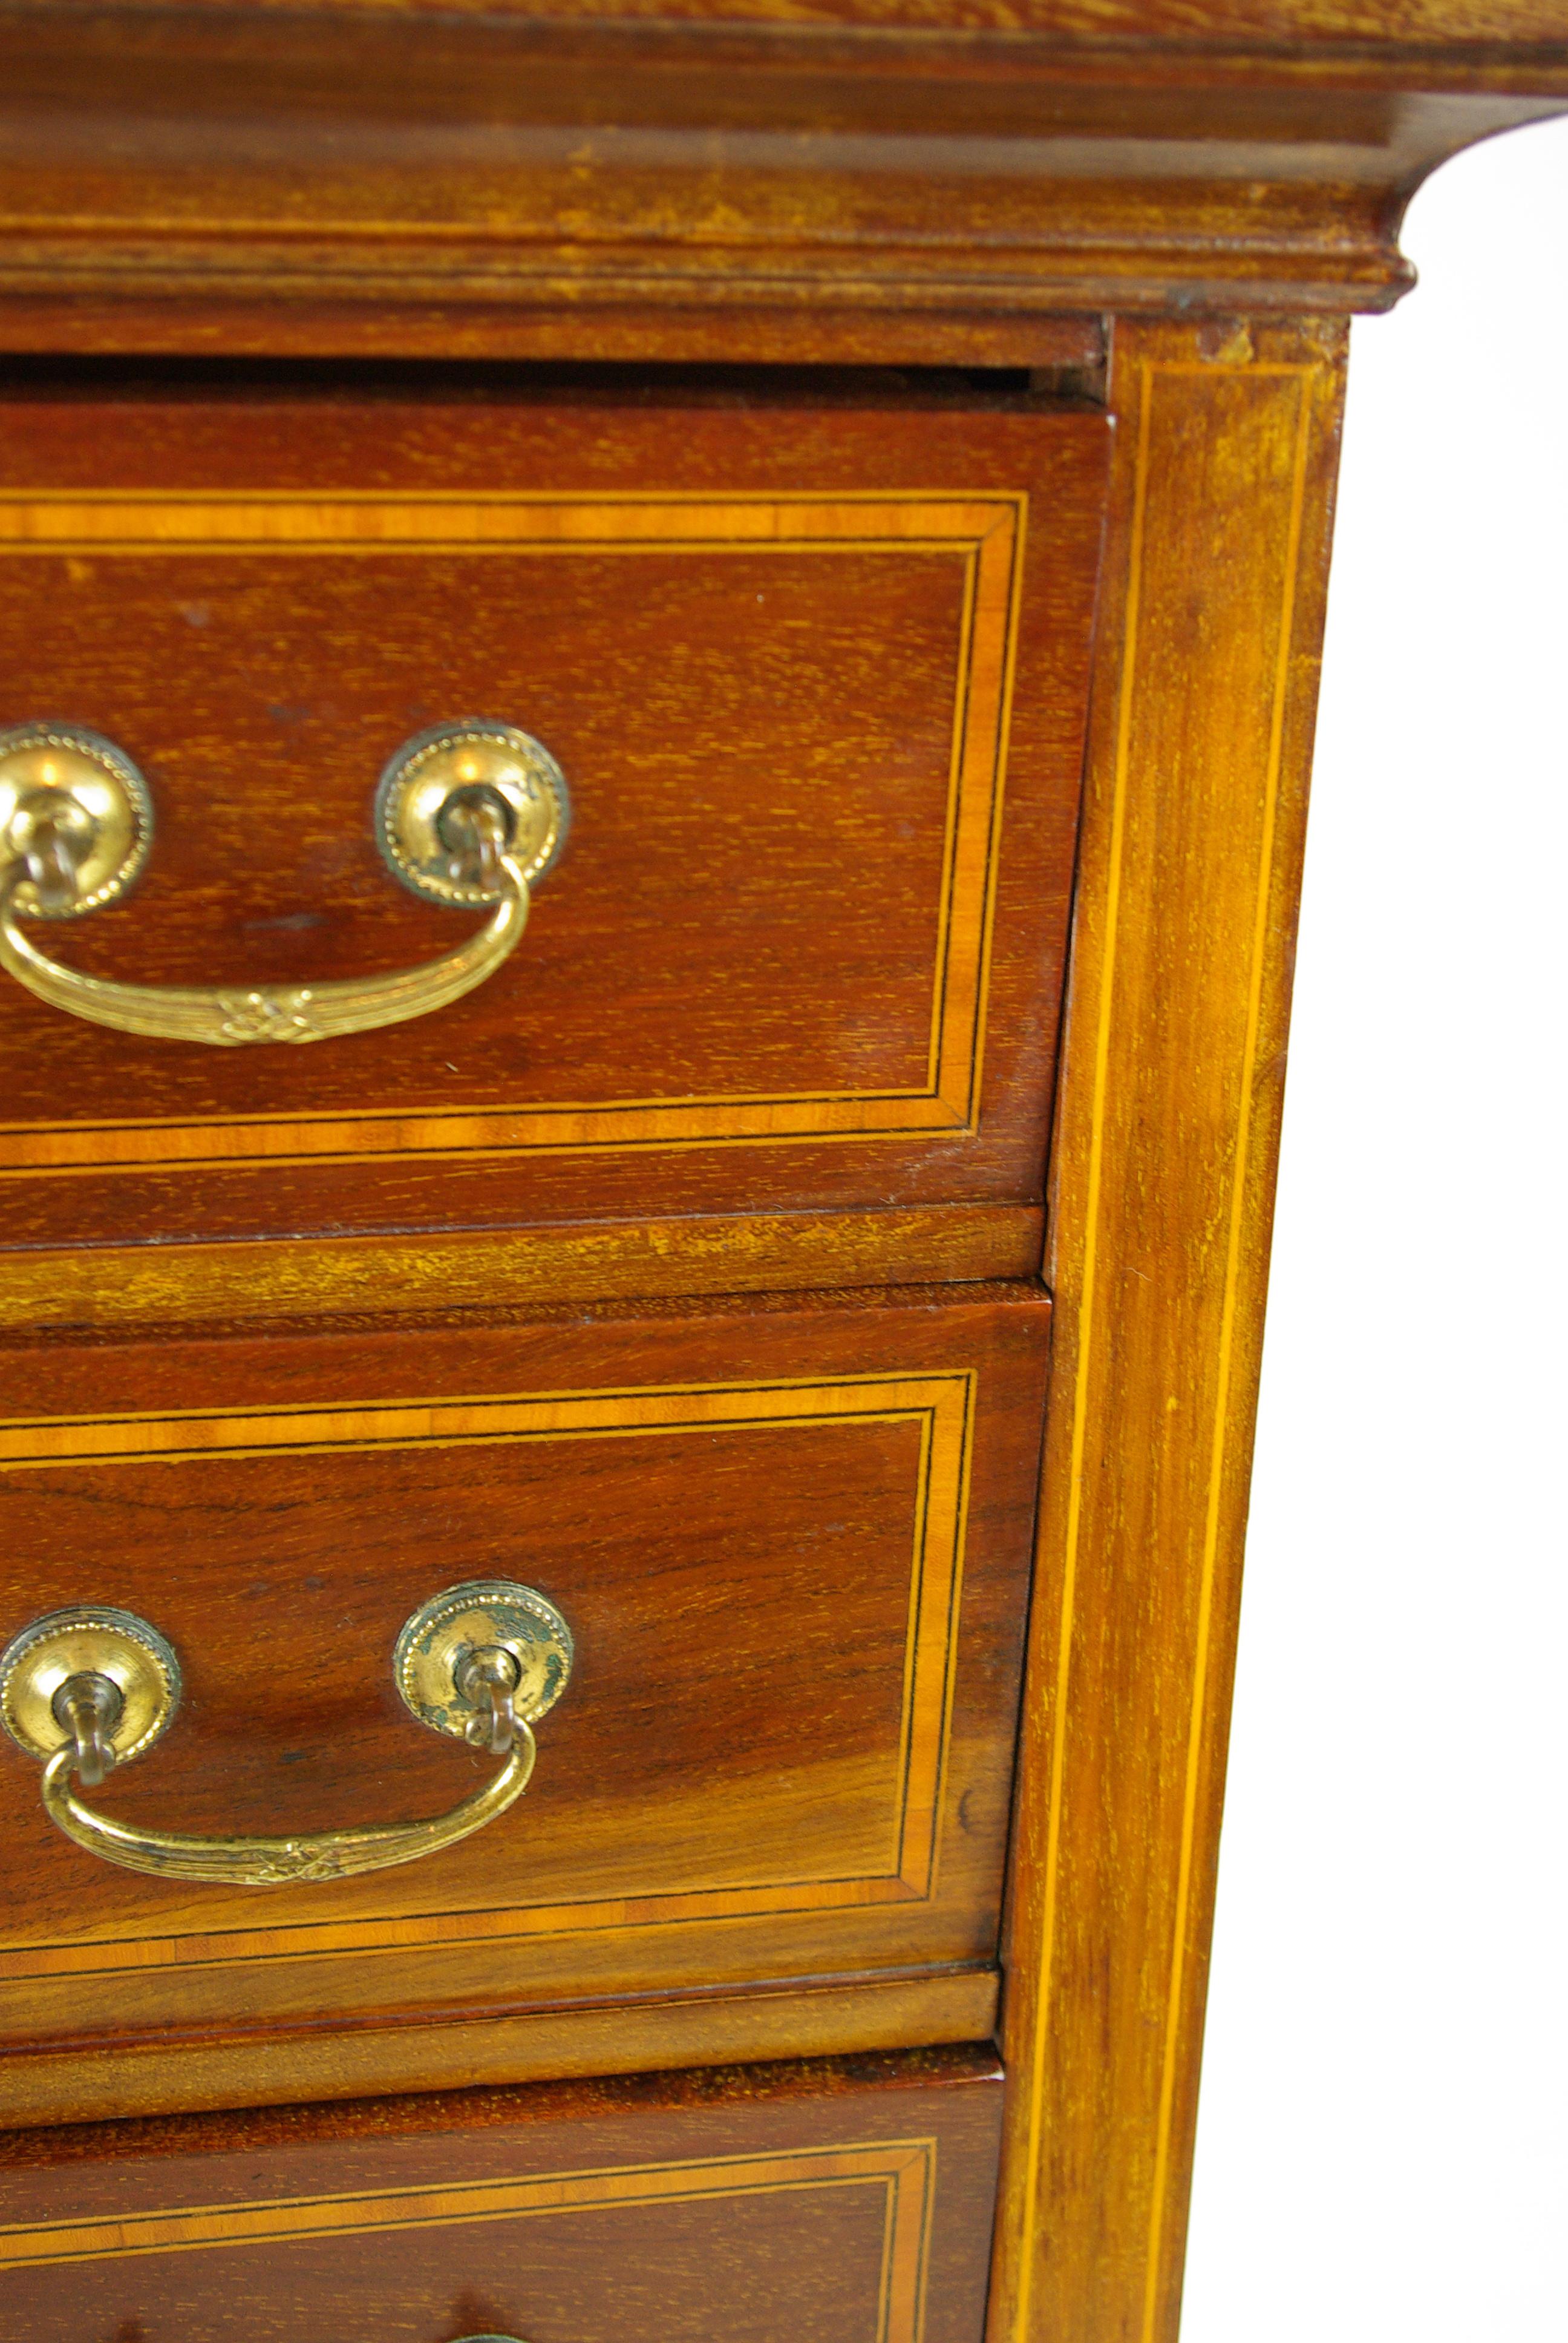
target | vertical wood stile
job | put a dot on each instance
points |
(1162, 1190)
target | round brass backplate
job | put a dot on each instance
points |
(477, 1617)
(461, 761)
(106, 792)
(94, 1641)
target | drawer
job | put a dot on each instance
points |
(850, 2203)
(812, 665)
(791, 1542)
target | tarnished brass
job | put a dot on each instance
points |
(89, 1689)
(440, 780)
(89, 1708)
(470, 815)
(64, 1649)
(75, 814)
(437, 1661)
(489, 1679)
(309, 1858)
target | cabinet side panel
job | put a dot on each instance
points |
(1164, 1178)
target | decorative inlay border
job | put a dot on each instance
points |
(1157, 1255)
(903, 2172)
(985, 534)
(941, 1408)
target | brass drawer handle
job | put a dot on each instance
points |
(469, 814)
(87, 1690)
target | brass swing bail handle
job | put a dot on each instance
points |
(470, 815)
(87, 1690)
(88, 1706)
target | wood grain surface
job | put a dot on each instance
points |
(937, 180)
(849, 2202)
(1163, 1194)
(791, 1540)
(1527, 28)
(177, 2071)
(795, 952)
(128, 1286)
(792, 998)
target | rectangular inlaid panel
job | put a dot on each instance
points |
(848, 2204)
(791, 1544)
(816, 683)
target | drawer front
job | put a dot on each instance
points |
(791, 1544)
(848, 2204)
(816, 678)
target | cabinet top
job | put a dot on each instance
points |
(1524, 41)
(887, 181)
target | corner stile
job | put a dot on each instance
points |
(1162, 1196)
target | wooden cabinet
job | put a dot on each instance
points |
(767, 1292)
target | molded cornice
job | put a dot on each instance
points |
(956, 182)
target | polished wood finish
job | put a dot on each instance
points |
(1162, 1195)
(795, 952)
(848, 2201)
(203, 2067)
(132, 1286)
(760, 179)
(1163, 210)
(792, 1543)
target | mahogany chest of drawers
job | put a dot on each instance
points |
(658, 686)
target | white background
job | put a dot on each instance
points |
(1383, 2144)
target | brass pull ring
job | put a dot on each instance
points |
(90, 1690)
(470, 815)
